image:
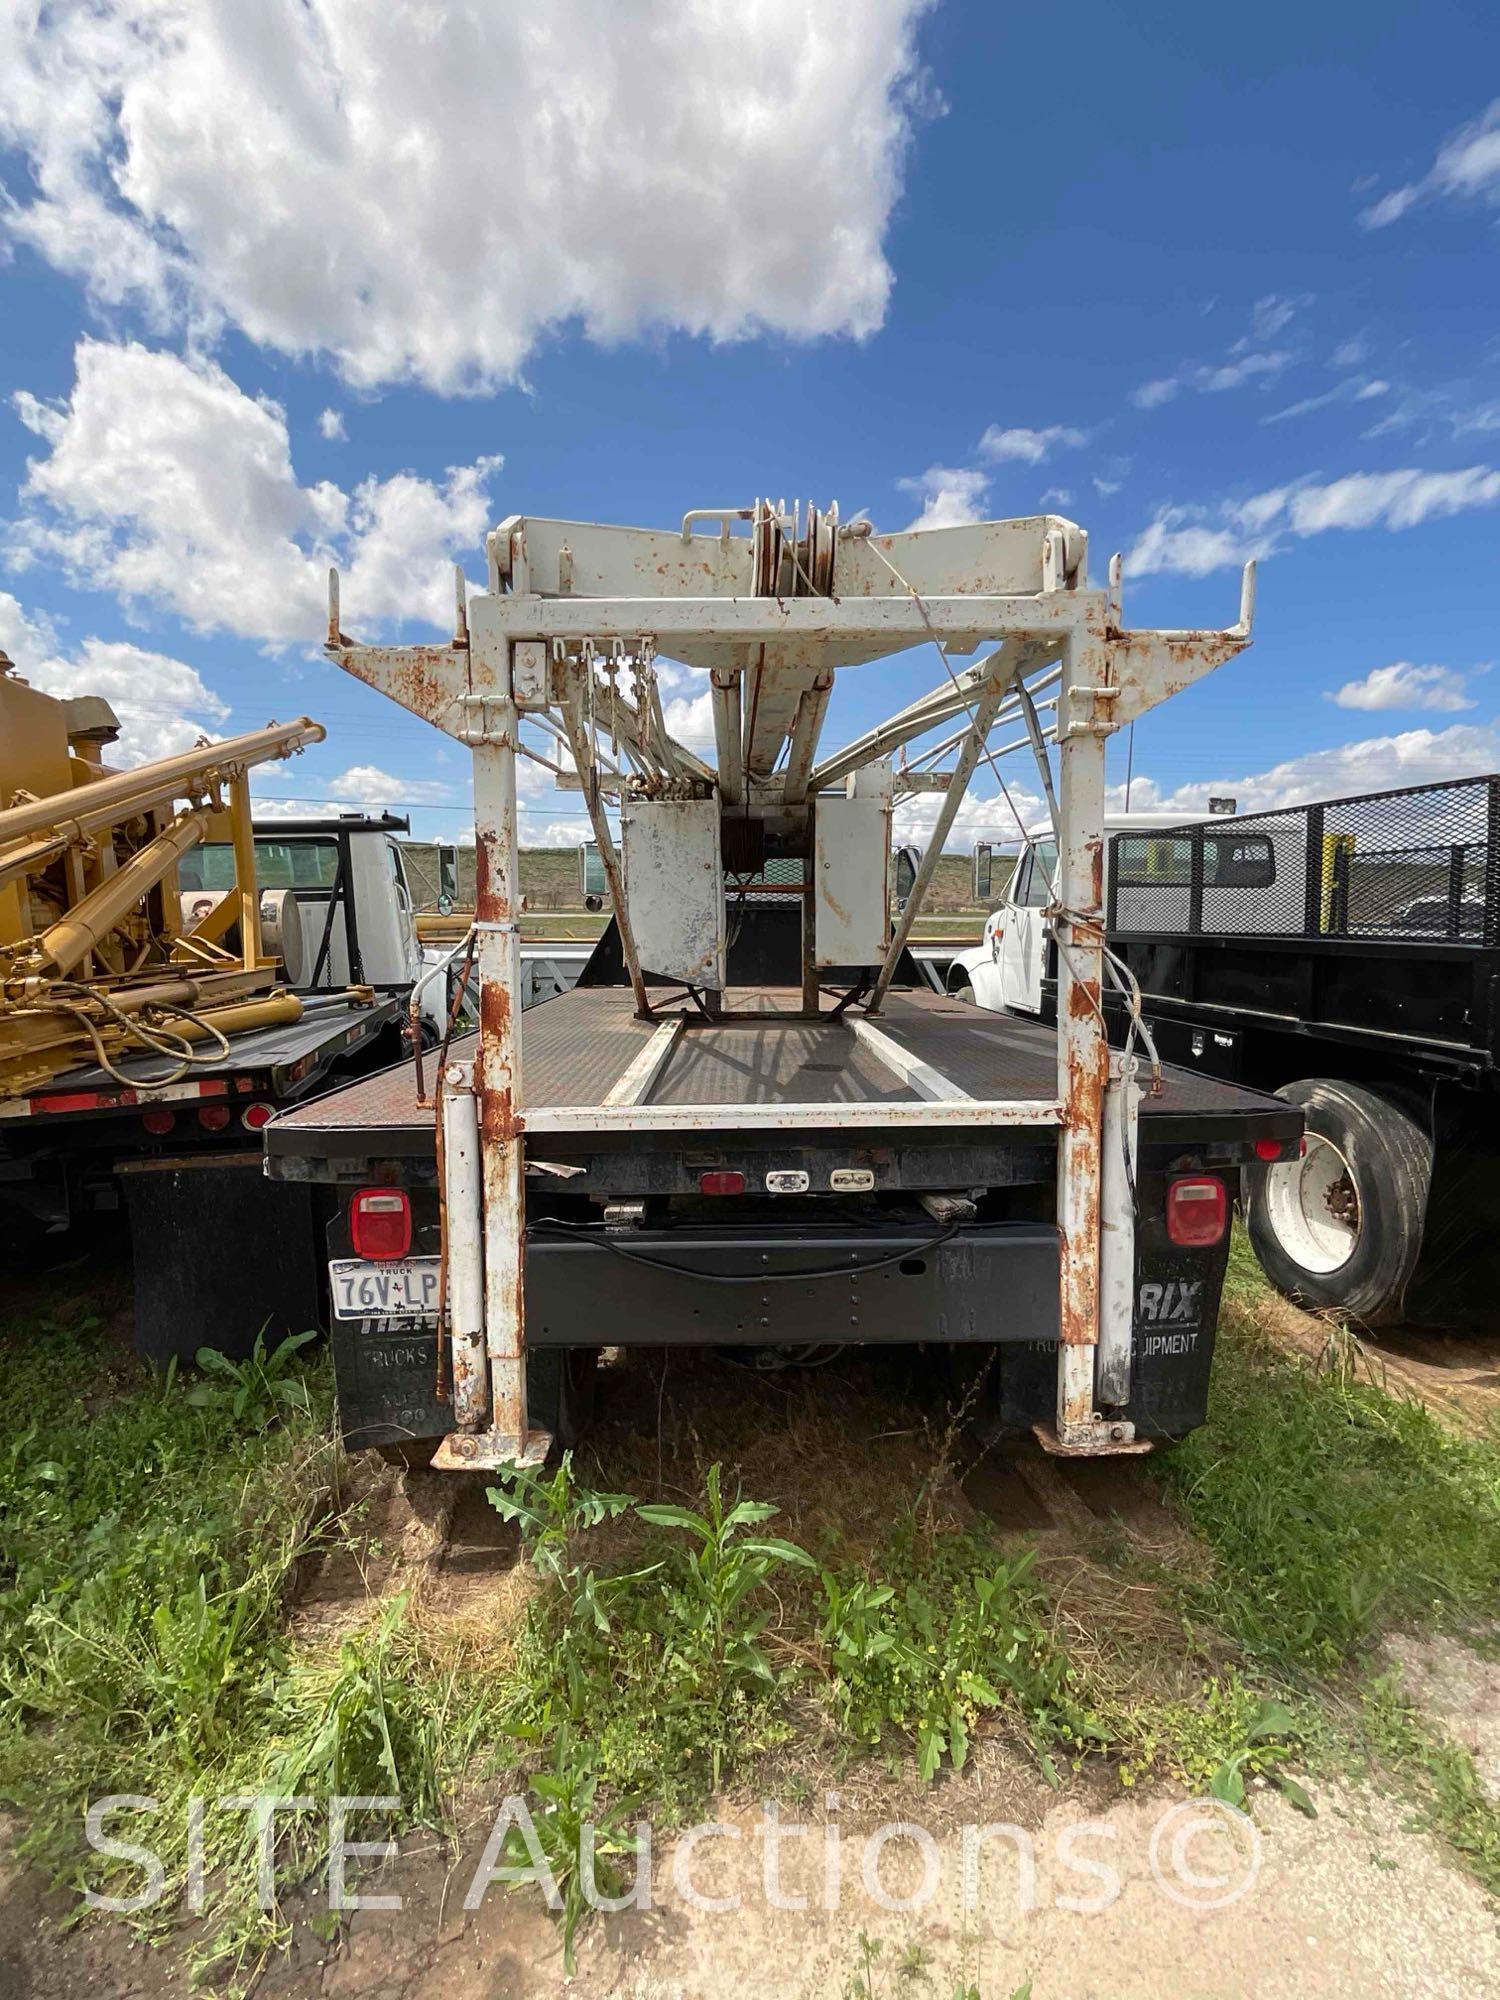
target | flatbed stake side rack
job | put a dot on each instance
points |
(724, 1133)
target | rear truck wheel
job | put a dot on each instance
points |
(1340, 1227)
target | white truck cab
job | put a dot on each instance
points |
(1005, 973)
(335, 903)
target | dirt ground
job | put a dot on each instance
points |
(1144, 1897)
(1084, 1893)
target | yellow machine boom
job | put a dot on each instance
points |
(94, 960)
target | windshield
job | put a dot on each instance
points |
(279, 864)
(1038, 873)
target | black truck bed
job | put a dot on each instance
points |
(576, 1047)
(276, 1060)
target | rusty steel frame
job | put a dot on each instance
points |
(1108, 677)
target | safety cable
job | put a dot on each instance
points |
(586, 1233)
(1124, 979)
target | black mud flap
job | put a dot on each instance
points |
(388, 1385)
(221, 1255)
(1177, 1295)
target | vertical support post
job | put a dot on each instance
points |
(958, 784)
(1122, 1100)
(1492, 861)
(1082, 1046)
(812, 996)
(1456, 857)
(1197, 853)
(244, 869)
(728, 735)
(1313, 914)
(497, 899)
(463, 1242)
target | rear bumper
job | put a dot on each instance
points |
(990, 1285)
(719, 1287)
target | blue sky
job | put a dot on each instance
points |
(283, 284)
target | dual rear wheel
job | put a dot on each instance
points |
(1340, 1227)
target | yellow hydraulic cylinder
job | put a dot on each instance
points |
(129, 790)
(72, 937)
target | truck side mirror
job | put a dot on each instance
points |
(908, 860)
(983, 871)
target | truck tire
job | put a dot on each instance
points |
(1340, 1227)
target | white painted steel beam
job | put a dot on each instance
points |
(634, 1084)
(976, 1111)
(927, 1082)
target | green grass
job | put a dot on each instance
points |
(151, 1534)
(1333, 1510)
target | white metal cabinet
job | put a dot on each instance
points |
(674, 885)
(851, 880)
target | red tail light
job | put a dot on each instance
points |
(721, 1181)
(159, 1120)
(213, 1117)
(1197, 1211)
(380, 1223)
(1268, 1149)
(254, 1116)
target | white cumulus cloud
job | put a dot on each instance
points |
(331, 425)
(367, 785)
(951, 495)
(1405, 685)
(1195, 540)
(162, 481)
(162, 704)
(1030, 446)
(420, 192)
(1467, 167)
(1373, 764)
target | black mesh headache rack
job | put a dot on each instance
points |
(1374, 918)
(1417, 864)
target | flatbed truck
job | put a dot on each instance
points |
(1346, 955)
(752, 1122)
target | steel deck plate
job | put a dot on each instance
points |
(575, 1047)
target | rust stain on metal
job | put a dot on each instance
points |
(498, 1118)
(471, 1392)
(414, 677)
(1095, 851)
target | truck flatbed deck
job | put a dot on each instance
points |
(267, 1060)
(578, 1046)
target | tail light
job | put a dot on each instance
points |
(721, 1181)
(213, 1117)
(1268, 1149)
(380, 1223)
(159, 1120)
(1197, 1211)
(254, 1116)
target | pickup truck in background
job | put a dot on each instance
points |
(1346, 955)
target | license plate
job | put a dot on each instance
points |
(406, 1288)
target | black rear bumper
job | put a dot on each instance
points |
(985, 1285)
